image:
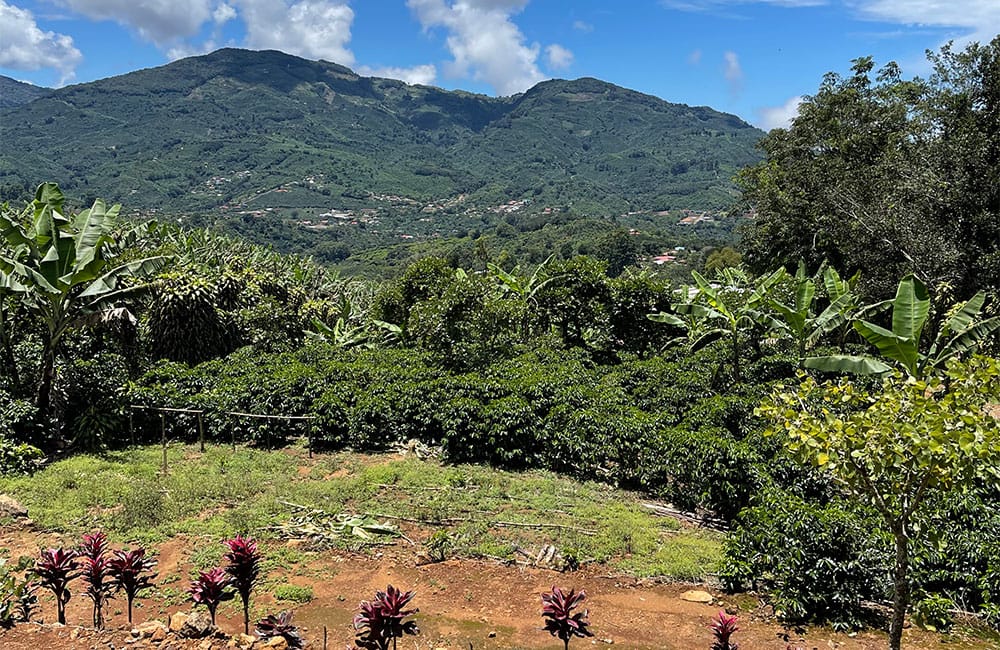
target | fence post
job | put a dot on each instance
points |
(131, 428)
(312, 428)
(163, 439)
(201, 433)
(232, 430)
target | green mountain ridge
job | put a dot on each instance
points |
(14, 93)
(257, 130)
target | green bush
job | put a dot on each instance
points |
(816, 562)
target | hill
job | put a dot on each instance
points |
(227, 127)
(14, 93)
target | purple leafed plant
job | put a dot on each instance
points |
(131, 573)
(95, 572)
(244, 568)
(723, 628)
(56, 568)
(381, 621)
(560, 619)
(210, 589)
(273, 626)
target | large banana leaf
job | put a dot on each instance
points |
(669, 319)
(843, 363)
(910, 309)
(895, 347)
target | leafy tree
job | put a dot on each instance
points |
(895, 449)
(723, 258)
(61, 267)
(526, 288)
(888, 176)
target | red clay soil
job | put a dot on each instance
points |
(462, 604)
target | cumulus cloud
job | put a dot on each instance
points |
(484, 42)
(223, 14)
(733, 72)
(163, 22)
(779, 117)
(559, 57)
(315, 29)
(24, 46)
(418, 74)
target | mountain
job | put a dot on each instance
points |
(241, 130)
(14, 93)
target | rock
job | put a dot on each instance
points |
(277, 643)
(159, 634)
(177, 621)
(197, 625)
(242, 641)
(492, 635)
(11, 507)
(697, 596)
(205, 645)
(147, 629)
(75, 634)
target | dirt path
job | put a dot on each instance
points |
(462, 604)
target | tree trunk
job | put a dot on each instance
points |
(47, 378)
(736, 357)
(901, 587)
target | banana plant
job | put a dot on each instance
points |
(525, 287)
(800, 320)
(727, 309)
(961, 332)
(61, 267)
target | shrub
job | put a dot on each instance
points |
(560, 619)
(244, 568)
(723, 629)
(383, 620)
(128, 569)
(293, 593)
(56, 568)
(272, 626)
(96, 573)
(210, 589)
(817, 562)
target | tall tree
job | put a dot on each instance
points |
(888, 176)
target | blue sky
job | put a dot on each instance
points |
(754, 58)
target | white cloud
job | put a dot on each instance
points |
(559, 57)
(163, 22)
(980, 17)
(484, 43)
(418, 74)
(24, 46)
(223, 13)
(733, 72)
(779, 117)
(582, 26)
(315, 29)
(714, 5)
(695, 57)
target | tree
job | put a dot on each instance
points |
(896, 448)
(887, 176)
(62, 268)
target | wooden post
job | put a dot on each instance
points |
(324, 637)
(232, 431)
(131, 428)
(312, 428)
(163, 439)
(201, 433)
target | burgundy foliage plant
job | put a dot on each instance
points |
(273, 626)
(560, 619)
(244, 568)
(723, 628)
(56, 568)
(95, 572)
(210, 589)
(131, 572)
(381, 621)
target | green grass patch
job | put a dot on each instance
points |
(465, 510)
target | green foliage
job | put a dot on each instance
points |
(293, 593)
(816, 562)
(933, 612)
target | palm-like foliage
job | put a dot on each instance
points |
(244, 568)
(95, 571)
(61, 267)
(131, 573)
(210, 589)
(380, 622)
(272, 626)
(561, 620)
(56, 568)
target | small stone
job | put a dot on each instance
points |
(197, 625)
(11, 507)
(697, 596)
(608, 641)
(75, 634)
(243, 641)
(277, 643)
(492, 635)
(177, 621)
(205, 645)
(159, 634)
(147, 629)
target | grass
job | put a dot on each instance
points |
(222, 492)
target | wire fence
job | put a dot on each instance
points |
(200, 416)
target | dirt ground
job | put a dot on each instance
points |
(463, 604)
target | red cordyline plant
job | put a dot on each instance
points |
(131, 573)
(56, 568)
(381, 621)
(723, 628)
(272, 626)
(210, 589)
(94, 570)
(244, 568)
(560, 619)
